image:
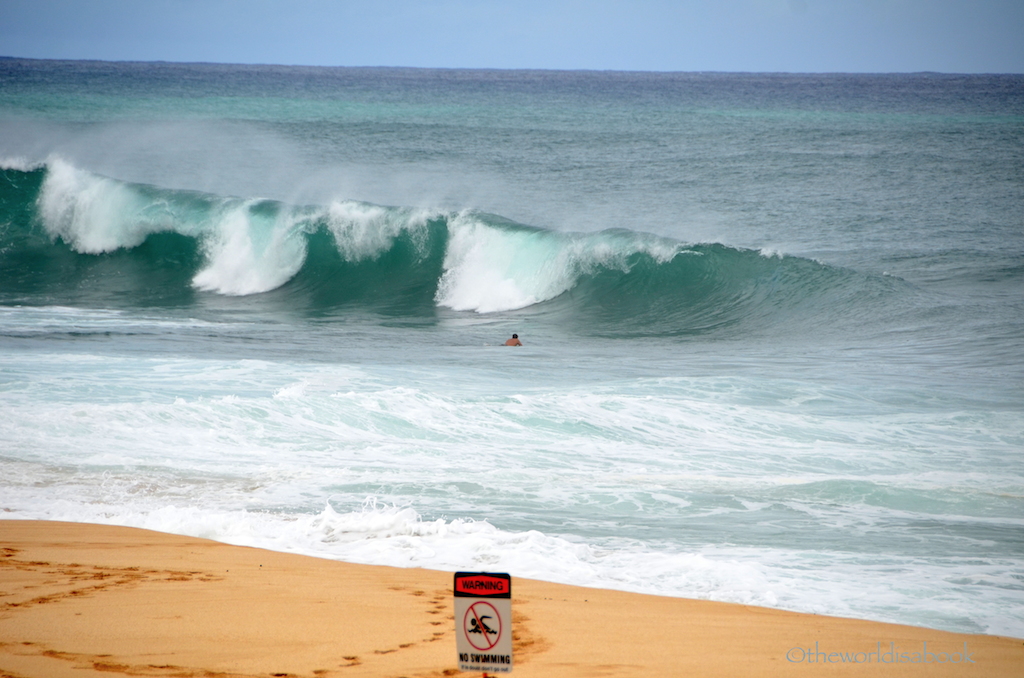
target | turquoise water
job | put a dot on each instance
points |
(773, 325)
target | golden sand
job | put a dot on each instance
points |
(80, 600)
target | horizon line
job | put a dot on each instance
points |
(508, 69)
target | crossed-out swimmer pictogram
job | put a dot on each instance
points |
(479, 623)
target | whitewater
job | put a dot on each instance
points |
(773, 325)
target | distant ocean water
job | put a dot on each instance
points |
(773, 324)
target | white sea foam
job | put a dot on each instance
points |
(398, 537)
(489, 268)
(880, 587)
(247, 254)
(623, 485)
(91, 213)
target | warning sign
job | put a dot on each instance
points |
(483, 621)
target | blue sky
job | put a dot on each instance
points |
(963, 36)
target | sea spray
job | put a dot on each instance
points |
(320, 258)
(365, 231)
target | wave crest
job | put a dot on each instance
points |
(320, 257)
(94, 214)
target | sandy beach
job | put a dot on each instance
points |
(82, 600)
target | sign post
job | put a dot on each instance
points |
(483, 621)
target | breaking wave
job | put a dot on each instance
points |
(69, 236)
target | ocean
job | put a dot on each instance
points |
(772, 325)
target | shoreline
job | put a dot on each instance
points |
(79, 599)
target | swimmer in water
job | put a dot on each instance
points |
(514, 341)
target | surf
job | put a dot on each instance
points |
(71, 237)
